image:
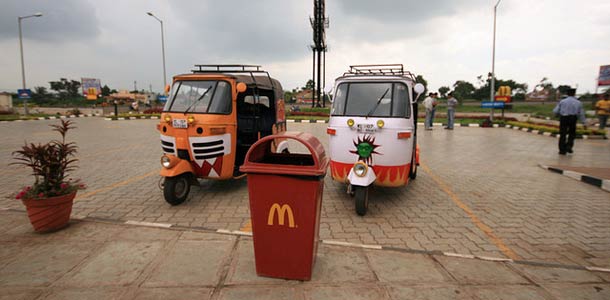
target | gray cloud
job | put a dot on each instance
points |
(378, 20)
(275, 30)
(61, 20)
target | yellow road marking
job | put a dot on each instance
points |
(118, 184)
(247, 227)
(486, 229)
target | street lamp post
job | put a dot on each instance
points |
(25, 100)
(493, 64)
(162, 49)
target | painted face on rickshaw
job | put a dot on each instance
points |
(364, 149)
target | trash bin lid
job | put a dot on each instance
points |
(260, 158)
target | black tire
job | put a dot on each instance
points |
(361, 195)
(413, 169)
(176, 189)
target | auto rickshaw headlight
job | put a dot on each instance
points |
(380, 123)
(167, 118)
(360, 169)
(166, 162)
(350, 122)
(191, 119)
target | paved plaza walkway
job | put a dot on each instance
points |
(481, 204)
(100, 260)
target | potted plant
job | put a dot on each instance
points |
(49, 200)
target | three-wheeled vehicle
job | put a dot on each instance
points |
(373, 129)
(211, 118)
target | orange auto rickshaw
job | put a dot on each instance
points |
(211, 118)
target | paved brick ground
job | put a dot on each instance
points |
(96, 260)
(479, 191)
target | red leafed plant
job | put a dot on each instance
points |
(50, 164)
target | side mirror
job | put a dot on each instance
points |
(167, 87)
(419, 89)
(241, 87)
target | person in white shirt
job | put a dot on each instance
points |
(451, 104)
(429, 104)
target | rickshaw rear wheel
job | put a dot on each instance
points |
(176, 189)
(361, 195)
(413, 170)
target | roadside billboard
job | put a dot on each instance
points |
(92, 88)
(604, 75)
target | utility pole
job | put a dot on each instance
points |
(319, 23)
(493, 64)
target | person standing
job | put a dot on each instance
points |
(428, 105)
(603, 110)
(569, 110)
(451, 104)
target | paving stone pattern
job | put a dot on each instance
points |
(481, 190)
(96, 260)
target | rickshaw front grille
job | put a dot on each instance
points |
(168, 144)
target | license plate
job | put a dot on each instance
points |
(366, 128)
(179, 123)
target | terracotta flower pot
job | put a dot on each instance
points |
(50, 214)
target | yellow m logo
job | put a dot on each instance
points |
(281, 213)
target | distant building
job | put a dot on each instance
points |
(304, 96)
(127, 96)
(6, 102)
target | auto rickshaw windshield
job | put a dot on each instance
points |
(210, 96)
(376, 99)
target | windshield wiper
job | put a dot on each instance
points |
(199, 99)
(378, 101)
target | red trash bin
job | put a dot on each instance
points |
(285, 192)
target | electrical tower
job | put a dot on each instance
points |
(319, 23)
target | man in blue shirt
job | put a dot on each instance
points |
(568, 110)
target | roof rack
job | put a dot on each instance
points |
(227, 68)
(378, 70)
(249, 69)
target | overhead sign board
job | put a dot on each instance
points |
(24, 93)
(604, 75)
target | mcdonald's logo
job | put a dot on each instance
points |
(281, 211)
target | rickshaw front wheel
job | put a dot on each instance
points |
(361, 195)
(176, 189)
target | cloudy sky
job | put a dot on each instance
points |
(443, 40)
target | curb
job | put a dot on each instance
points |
(553, 135)
(306, 121)
(131, 118)
(339, 243)
(604, 184)
(55, 118)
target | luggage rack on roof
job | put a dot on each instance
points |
(250, 69)
(378, 70)
(228, 68)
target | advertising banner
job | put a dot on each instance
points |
(92, 88)
(604, 75)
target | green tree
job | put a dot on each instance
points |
(463, 89)
(563, 89)
(309, 85)
(443, 91)
(106, 91)
(66, 88)
(40, 93)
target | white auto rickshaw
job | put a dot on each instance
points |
(373, 129)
